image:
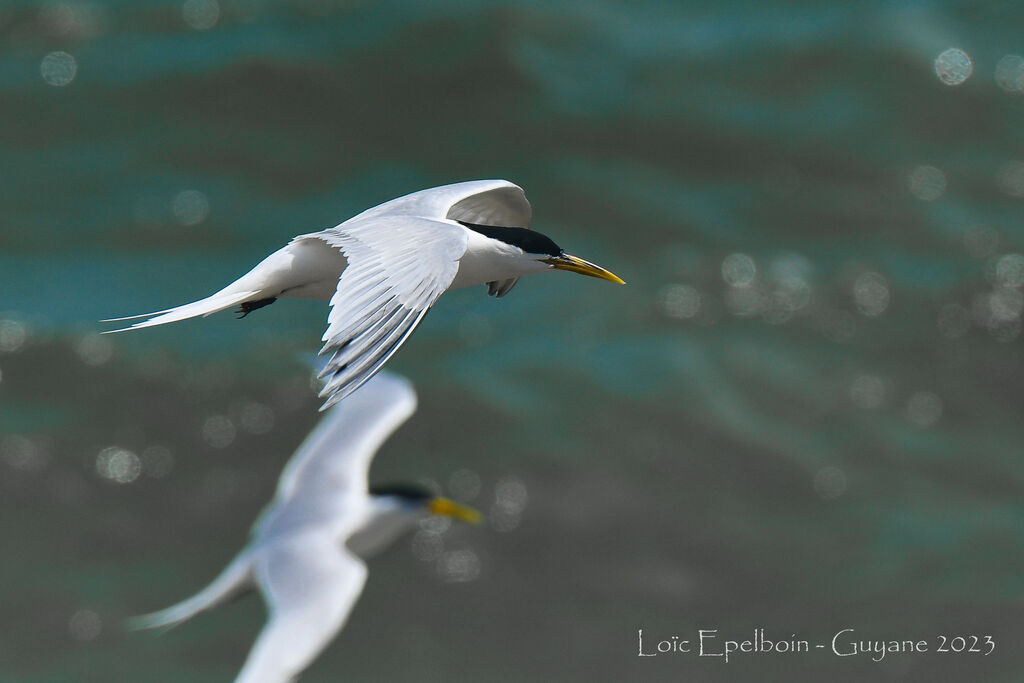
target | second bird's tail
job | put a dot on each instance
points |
(236, 577)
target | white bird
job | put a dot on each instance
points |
(384, 268)
(307, 548)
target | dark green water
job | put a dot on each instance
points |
(802, 414)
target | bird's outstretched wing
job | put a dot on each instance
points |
(397, 268)
(331, 465)
(310, 584)
(485, 202)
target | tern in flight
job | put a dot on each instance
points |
(383, 269)
(307, 548)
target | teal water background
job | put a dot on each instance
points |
(802, 414)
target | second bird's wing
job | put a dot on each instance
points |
(310, 584)
(334, 460)
(397, 268)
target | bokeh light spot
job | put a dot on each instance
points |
(829, 483)
(927, 183)
(1009, 270)
(981, 241)
(795, 294)
(94, 349)
(777, 308)
(58, 68)
(118, 465)
(85, 625)
(22, 453)
(790, 274)
(510, 499)
(680, 301)
(999, 312)
(436, 524)
(202, 15)
(871, 294)
(255, 418)
(953, 66)
(190, 207)
(868, 392)
(13, 335)
(738, 270)
(1010, 178)
(458, 566)
(924, 409)
(219, 431)
(745, 301)
(72, 19)
(1005, 304)
(427, 546)
(1010, 74)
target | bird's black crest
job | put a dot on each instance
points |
(414, 492)
(530, 241)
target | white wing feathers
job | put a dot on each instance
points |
(503, 205)
(402, 256)
(398, 267)
(310, 586)
(332, 464)
(486, 202)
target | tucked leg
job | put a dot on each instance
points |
(248, 307)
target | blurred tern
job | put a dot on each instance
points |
(383, 269)
(307, 548)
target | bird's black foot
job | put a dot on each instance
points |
(248, 307)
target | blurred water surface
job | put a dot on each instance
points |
(801, 414)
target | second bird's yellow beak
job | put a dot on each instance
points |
(449, 508)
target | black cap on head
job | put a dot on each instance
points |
(413, 492)
(530, 241)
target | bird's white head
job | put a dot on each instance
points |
(395, 509)
(418, 501)
(542, 250)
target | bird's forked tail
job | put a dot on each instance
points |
(204, 307)
(235, 578)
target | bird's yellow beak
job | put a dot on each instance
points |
(578, 265)
(449, 508)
